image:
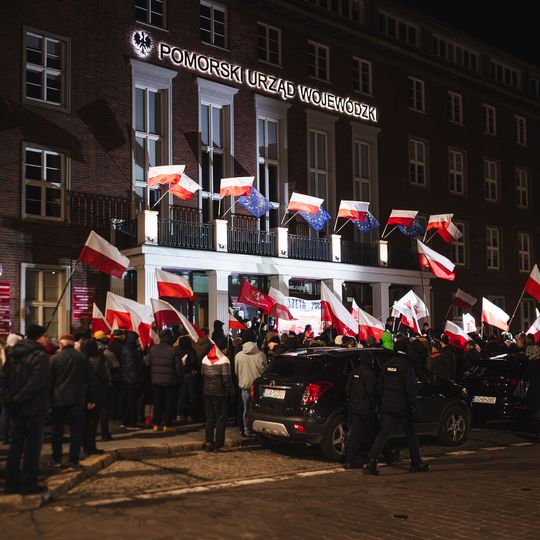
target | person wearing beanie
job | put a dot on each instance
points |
(25, 389)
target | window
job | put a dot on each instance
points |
(46, 69)
(415, 94)
(527, 313)
(458, 248)
(493, 248)
(351, 9)
(455, 53)
(522, 188)
(491, 180)
(44, 184)
(455, 111)
(362, 76)
(504, 74)
(214, 24)
(362, 174)
(269, 144)
(150, 12)
(318, 164)
(417, 162)
(398, 29)
(534, 87)
(489, 119)
(499, 301)
(456, 171)
(524, 251)
(318, 61)
(268, 44)
(520, 130)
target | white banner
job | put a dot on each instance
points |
(305, 312)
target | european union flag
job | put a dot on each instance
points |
(255, 202)
(412, 231)
(368, 225)
(318, 221)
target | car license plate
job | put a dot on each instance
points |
(490, 400)
(274, 393)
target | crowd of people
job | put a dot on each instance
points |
(90, 380)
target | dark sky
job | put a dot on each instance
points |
(512, 27)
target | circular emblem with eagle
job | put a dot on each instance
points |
(142, 43)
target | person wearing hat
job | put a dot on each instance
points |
(25, 391)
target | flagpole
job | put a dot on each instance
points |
(260, 325)
(448, 312)
(344, 225)
(230, 209)
(515, 310)
(430, 238)
(283, 224)
(335, 224)
(219, 208)
(384, 230)
(284, 216)
(68, 281)
(388, 233)
(424, 293)
(159, 200)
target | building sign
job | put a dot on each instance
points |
(5, 309)
(82, 301)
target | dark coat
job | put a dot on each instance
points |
(116, 346)
(131, 360)
(443, 364)
(26, 379)
(398, 385)
(165, 365)
(191, 363)
(532, 373)
(361, 390)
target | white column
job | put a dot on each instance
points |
(282, 239)
(336, 285)
(218, 298)
(146, 283)
(381, 299)
(117, 286)
(336, 248)
(147, 227)
(281, 283)
(220, 235)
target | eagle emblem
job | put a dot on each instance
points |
(142, 43)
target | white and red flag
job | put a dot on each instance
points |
(439, 265)
(463, 299)
(280, 309)
(367, 324)
(102, 256)
(304, 203)
(167, 315)
(494, 315)
(456, 335)
(353, 210)
(185, 188)
(535, 327)
(236, 186)
(439, 221)
(450, 234)
(402, 217)
(251, 296)
(333, 311)
(166, 174)
(411, 308)
(172, 285)
(469, 323)
(99, 322)
(215, 356)
(235, 324)
(532, 286)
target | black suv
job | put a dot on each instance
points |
(301, 397)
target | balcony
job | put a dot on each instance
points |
(358, 253)
(311, 249)
(251, 242)
(96, 211)
(185, 234)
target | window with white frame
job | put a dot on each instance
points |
(213, 23)
(415, 94)
(362, 76)
(456, 171)
(455, 110)
(520, 130)
(504, 74)
(491, 180)
(318, 61)
(417, 162)
(522, 187)
(524, 251)
(493, 248)
(150, 12)
(527, 313)
(268, 43)
(44, 185)
(458, 247)
(398, 29)
(46, 68)
(318, 163)
(269, 145)
(489, 119)
(455, 53)
(352, 9)
(362, 171)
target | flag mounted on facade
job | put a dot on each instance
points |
(439, 265)
(166, 174)
(102, 256)
(370, 223)
(494, 315)
(304, 203)
(185, 188)
(333, 311)
(439, 221)
(319, 220)
(353, 210)
(99, 322)
(450, 234)
(532, 286)
(402, 217)
(236, 186)
(255, 203)
(280, 309)
(456, 335)
(172, 285)
(412, 231)
(251, 296)
(463, 299)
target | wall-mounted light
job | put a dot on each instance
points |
(383, 252)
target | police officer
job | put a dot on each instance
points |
(398, 402)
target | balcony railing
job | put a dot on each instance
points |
(251, 242)
(96, 211)
(357, 253)
(125, 233)
(313, 249)
(185, 234)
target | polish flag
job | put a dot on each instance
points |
(494, 315)
(304, 203)
(235, 324)
(98, 321)
(215, 356)
(402, 217)
(355, 309)
(532, 286)
(439, 221)
(535, 328)
(172, 285)
(450, 234)
(102, 256)
(185, 188)
(439, 265)
(353, 210)
(411, 308)
(167, 315)
(236, 187)
(464, 300)
(280, 309)
(456, 336)
(332, 310)
(367, 324)
(469, 324)
(166, 174)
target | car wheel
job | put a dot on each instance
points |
(334, 440)
(454, 426)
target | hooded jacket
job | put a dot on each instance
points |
(165, 365)
(131, 360)
(387, 341)
(249, 363)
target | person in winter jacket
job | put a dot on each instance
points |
(471, 356)
(442, 361)
(132, 368)
(11, 340)
(250, 362)
(190, 369)
(219, 337)
(111, 363)
(24, 382)
(117, 384)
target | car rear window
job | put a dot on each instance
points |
(294, 367)
(507, 368)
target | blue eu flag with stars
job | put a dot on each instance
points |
(255, 202)
(412, 231)
(318, 221)
(368, 225)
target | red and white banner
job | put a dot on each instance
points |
(166, 314)
(102, 256)
(215, 356)
(469, 323)
(439, 221)
(333, 311)
(172, 285)
(411, 308)
(236, 187)
(532, 286)
(450, 234)
(280, 309)
(494, 315)
(185, 188)
(235, 324)
(463, 299)
(402, 217)
(353, 210)
(304, 203)
(166, 174)
(439, 265)
(367, 324)
(99, 322)
(535, 327)
(456, 335)
(253, 297)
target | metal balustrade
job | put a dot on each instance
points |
(358, 253)
(96, 211)
(125, 233)
(251, 242)
(313, 249)
(185, 234)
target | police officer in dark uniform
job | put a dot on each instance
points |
(399, 400)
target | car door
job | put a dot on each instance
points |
(429, 399)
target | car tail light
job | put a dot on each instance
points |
(314, 391)
(299, 427)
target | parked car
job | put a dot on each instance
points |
(301, 397)
(491, 385)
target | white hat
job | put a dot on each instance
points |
(12, 339)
